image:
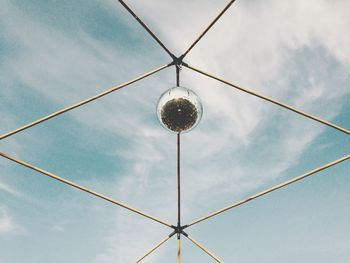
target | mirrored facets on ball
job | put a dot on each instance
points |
(179, 110)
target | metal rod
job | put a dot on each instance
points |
(32, 167)
(207, 29)
(178, 68)
(178, 250)
(203, 248)
(146, 28)
(283, 105)
(59, 112)
(178, 150)
(155, 247)
(271, 189)
(178, 184)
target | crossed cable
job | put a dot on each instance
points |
(178, 62)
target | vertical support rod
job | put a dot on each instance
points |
(178, 185)
(178, 251)
(178, 68)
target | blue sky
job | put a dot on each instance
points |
(55, 53)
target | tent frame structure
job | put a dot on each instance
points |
(178, 229)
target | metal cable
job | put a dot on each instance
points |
(204, 249)
(207, 29)
(60, 179)
(155, 247)
(146, 28)
(81, 103)
(283, 105)
(271, 190)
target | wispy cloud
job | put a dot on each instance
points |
(277, 48)
(234, 124)
(7, 224)
(8, 189)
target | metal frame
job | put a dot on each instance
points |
(178, 62)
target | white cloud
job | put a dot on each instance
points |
(256, 43)
(262, 45)
(7, 188)
(7, 224)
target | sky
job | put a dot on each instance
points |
(56, 53)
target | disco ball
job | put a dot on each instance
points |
(179, 110)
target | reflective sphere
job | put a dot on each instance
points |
(179, 109)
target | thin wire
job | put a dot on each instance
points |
(203, 248)
(271, 189)
(81, 103)
(283, 105)
(146, 28)
(154, 248)
(207, 29)
(32, 167)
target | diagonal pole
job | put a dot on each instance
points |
(155, 247)
(281, 104)
(203, 248)
(81, 103)
(208, 28)
(146, 28)
(62, 180)
(271, 190)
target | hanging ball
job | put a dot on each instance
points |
(179, 109)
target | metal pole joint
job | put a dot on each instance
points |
(178, 61)
(179, 230)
